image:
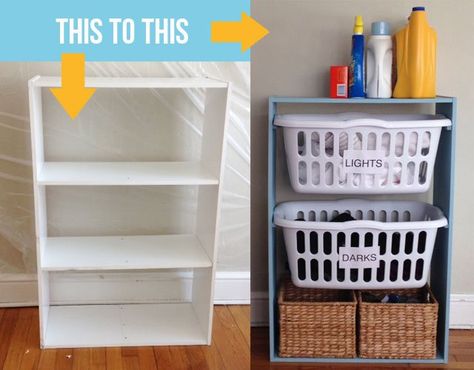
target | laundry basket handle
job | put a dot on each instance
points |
(367, 122)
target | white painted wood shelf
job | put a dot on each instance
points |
(123, 252)
(125, 173)
(136, 82)
(123, 325)
(180, 317)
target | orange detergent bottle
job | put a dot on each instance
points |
(416, 58)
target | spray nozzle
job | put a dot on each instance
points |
(358, 25)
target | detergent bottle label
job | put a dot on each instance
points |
(356, 68)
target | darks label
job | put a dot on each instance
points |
(363, 257)
(363, 161)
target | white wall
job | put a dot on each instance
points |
(101, 120)
(306, 37)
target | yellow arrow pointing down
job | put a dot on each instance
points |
(247, 31)
(73, 95)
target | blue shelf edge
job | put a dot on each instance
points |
(309, 100)
(437, 360)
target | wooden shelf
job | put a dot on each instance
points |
(125, 173)
(134, 82)
(123, 253)
(122, 325)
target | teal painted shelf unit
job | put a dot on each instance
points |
(443, 193)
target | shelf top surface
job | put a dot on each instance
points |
(135, 82)
(309, 100)
(123, 253)
(123, 325)
(125, 173)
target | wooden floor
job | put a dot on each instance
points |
(19, 347)
(461, 356)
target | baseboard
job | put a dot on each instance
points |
(18, 290)
(461, 310)
(232, 287)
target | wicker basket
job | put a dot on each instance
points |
(316, 322)
(398, 330)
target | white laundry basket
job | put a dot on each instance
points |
(358, 153)
(389, 245)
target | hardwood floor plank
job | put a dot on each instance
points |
(460, 333)
(196, 358)
(465, 357)
(213, 358)
(64, 359)
(31, 356)
(81, 358)
(230, 341)
(130, 359)
(129, 352)
(130, 363)
(47, 359)
(7, 329)
(19, 339)
(461, 341)
(2, 312)
(241, 316)
(171, 358)
(162, 357)
(98, 359)
(113, 357)
(178, 356)
(462, 349)
(211, 353)
(146, 358)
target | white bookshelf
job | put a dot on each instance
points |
(185, 322)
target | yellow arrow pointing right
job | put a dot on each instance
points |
(247, 31)
(73, 95)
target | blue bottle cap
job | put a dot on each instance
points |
(380, 28)
(418, 9)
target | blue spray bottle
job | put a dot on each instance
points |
(356, 68)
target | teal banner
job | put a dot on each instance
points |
(177, 30)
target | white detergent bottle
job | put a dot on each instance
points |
(379, 62)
